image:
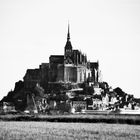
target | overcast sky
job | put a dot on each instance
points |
(106, 30)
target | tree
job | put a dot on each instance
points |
(119, 92)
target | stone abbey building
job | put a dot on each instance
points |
(72, 67)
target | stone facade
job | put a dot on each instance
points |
(72, 67)
(34, 76)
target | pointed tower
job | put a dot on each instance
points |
(68, 49)
(68, 35)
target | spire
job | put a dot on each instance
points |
(68, 43)
(68, 35)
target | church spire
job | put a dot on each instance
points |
(68, 45)
(68, 35)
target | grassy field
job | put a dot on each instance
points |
(32, 130)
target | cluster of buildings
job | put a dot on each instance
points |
(72, 67)
(107, 103)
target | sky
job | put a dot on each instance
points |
(106, 30)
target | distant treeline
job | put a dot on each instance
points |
(119, 119)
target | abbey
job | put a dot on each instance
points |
(72, 67)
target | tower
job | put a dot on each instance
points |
(69, 69)
(68, 49)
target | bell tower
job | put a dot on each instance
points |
(68, 49)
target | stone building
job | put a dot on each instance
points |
(72, 67)
(34, 76)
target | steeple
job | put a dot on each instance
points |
(68, 48)
(68, 43)
(68, 35)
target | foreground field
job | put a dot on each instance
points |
(54, 130)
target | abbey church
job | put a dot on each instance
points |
(72, 67)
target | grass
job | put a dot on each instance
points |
(80, 131)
